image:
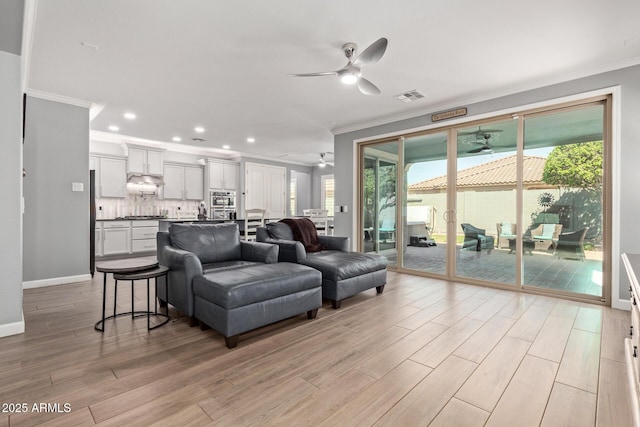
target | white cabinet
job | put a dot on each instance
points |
(632, 343)
(98, 239)
(143, 236)
(112, 178)
(265, 188)
(222, 175)
(193, 183)
(144, 161)
(116, 237)
(183, 182)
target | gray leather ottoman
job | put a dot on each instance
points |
(239, 300)
(347, 273)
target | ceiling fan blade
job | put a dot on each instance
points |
(373, 53)
(367, 87)
(481, 132)
(326, 73)
(479, 149)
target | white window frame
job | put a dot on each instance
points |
(323, 194)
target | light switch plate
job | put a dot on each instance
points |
(77, 186)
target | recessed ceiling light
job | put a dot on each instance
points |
(176, 139)
(226, 147)
(251, 140)
(114, 128)
(129, 116)
(199, 129)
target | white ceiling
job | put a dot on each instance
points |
(223, 65)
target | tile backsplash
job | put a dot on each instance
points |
(146, 205)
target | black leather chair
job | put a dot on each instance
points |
(571, 245)
(344, 273)
(476, 238)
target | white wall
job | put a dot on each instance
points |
(628, 200)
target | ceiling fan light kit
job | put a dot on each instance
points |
(352, 72)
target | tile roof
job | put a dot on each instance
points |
(501, 172)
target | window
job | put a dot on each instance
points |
(327, 185)
(293, 185)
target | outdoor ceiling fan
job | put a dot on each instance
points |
(352, 72)
(485, 147)
(481, 137)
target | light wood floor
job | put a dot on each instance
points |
(425, 352)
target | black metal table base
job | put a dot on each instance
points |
(133, 276)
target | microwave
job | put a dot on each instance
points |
(223, 198)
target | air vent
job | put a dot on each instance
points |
(412, 95)
(198, 139)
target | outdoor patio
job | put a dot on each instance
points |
(541, 269)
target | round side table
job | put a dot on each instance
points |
(132, 269)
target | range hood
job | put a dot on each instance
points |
(138, 178)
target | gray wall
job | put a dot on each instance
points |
(629, 152)
(10, 191)
(11, 12)
(316, 184)
(303, 191)
(56, 219)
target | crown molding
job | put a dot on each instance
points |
(457, 102)
(58, 98)
(115, 138)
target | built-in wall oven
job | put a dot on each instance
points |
(223, 205)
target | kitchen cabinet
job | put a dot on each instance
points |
(112, 177)
(98, 239)
(222, 175)
(182, 182)
(116, 237)
(143, 236)
(632, 343)
(144, 161)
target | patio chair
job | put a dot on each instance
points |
(546, 236)
(506, 231)
(476, 238)
(571, 245)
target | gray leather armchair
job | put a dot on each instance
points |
(230, 285)
(344, 273)
(191, 250)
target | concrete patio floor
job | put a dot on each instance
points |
(541, 269)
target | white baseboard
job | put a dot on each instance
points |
(621, 304)
(12, 328)
(55, 281)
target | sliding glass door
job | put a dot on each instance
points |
(486, 203)
(426, 206)
(520, 201)
(379, 200)
(564, 218)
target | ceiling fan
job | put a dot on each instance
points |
(322, 163)
(352, 72)
(480, 137)
(485, 147)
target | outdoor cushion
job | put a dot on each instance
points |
(505, 229)
(547, 231)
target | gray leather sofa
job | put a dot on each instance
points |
(230, 285)
(344, 273)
